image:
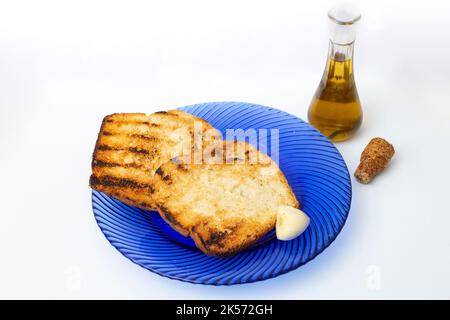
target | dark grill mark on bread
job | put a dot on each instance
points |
(134, 135)
(110, 181)
(104, 147)
(142, 136)
(138, 150)
(165, 177)
(100, 163)
(161, 112)
(215, 238)
(159, 172)
(168, 215)
(126, 122)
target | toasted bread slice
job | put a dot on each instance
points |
(225, 204)
(131, 146)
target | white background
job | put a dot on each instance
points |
(64, 65)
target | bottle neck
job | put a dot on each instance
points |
(339, 68)
(340, 52)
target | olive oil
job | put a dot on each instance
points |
(335, 109)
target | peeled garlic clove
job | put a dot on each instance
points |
(291, 223)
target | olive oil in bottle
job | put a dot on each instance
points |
(335, 109)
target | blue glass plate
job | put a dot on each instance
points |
(312, 165)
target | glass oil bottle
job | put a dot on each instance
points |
(335, 109)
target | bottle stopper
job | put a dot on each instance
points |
(374, 159)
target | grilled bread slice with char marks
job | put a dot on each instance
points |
(225, 205)
(131, 146)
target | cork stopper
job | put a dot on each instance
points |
(374, 159)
